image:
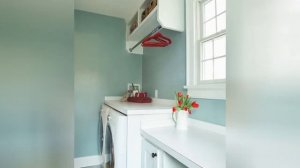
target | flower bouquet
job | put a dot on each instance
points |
(183, 107)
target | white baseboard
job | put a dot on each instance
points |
(88, 161)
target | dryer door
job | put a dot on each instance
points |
(101, 134)
(109, 154)
(102, 126)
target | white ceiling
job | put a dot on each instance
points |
(117, 8)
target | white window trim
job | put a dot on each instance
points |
(205, 89)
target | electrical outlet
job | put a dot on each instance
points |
(156, 93)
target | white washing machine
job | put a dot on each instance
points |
(122, 124)
(114, 138)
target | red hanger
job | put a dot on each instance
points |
(155, 43)
(156, 40)
(161, 36)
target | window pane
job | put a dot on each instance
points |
(210, 27)
(221, 6)
(207, 50)
(220, 46)
(207, 73)
(221, 22)
(209, 10)
(220, 68)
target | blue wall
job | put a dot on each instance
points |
(164, 69)
(102, 68)
(36, 84)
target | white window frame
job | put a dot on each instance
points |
(212, 89)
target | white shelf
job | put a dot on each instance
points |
(169, 14)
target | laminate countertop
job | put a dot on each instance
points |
(195, 147)
(130, 108)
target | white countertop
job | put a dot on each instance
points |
(195, 147)
(130, 108)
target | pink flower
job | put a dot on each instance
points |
(174, 109)
(179, 102)
(179, 94)
(185, 108)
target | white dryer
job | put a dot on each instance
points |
(114, 138)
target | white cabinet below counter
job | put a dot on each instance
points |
(153, 157)
(194, 148)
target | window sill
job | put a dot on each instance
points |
(208, 91)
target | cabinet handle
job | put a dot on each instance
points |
(154, 155)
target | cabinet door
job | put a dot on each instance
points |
(151, 156)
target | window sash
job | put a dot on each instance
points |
(201, 40)
(215, 17)
(201, 22)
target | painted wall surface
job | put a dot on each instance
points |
(36, 84)
(102, 68)
(263, 82)
(164, 69)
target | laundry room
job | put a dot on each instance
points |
(149, 84)
(104, 66)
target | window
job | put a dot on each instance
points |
(213, 40)
(206, 48)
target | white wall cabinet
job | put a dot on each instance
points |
(169, 14)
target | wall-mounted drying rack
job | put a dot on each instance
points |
(167, 14)
(157, 29)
